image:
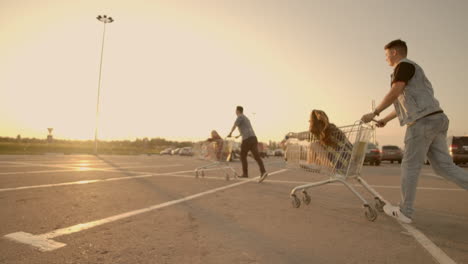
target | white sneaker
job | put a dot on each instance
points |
(394, 211)
(263, 177)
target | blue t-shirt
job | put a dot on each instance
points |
(245, 128)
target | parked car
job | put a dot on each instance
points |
(279, 153)
(175, 151)
(263, 150)
(458, 149)
(270, 153)
(392, 153)
(187, 151)
(373, 155)
(236, 146)
(167, 151)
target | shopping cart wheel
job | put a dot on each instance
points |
(196, 174)
(203, 173)
(306, 198)
(370, 213)
(379, 204)
(227, 177)
(296, 203)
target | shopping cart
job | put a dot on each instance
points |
(341, 162)
(219, 152)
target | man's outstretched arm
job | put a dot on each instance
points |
(232, 130)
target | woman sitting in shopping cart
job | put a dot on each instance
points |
(329, 145)
(217, 142)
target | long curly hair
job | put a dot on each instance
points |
(322, 129)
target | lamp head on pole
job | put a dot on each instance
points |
(105, 19)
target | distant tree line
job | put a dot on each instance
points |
(143, 142)
(19, 145)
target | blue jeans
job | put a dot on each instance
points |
(427, 137)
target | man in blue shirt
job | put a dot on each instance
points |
(249, 143)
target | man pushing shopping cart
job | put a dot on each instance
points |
(249, 143)
(426, 124)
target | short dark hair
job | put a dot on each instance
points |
(399, 45)
(240, 109)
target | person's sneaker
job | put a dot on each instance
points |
(394, 211)
(263, 177)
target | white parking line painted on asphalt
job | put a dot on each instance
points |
(432, 175)
(437, 253)
(14, 166)
(72, 183)
(421, 188)
(45, 243)
(375, 186)
(38, 172)
(175, 174)
(133, 167)
(181, 175)
(69, 166)
(274, 162)
(43, 165)
(149, 172)
(84, 168)
(60, 162)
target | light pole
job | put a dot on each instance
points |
(104, 19)
(374, 133)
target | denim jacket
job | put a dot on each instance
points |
(417, 99)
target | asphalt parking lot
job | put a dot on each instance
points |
(152, 209)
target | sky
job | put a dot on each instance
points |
(177, 69)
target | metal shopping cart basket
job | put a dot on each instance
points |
(341, 161)
(219, 153)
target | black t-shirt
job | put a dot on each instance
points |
(403, 72)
